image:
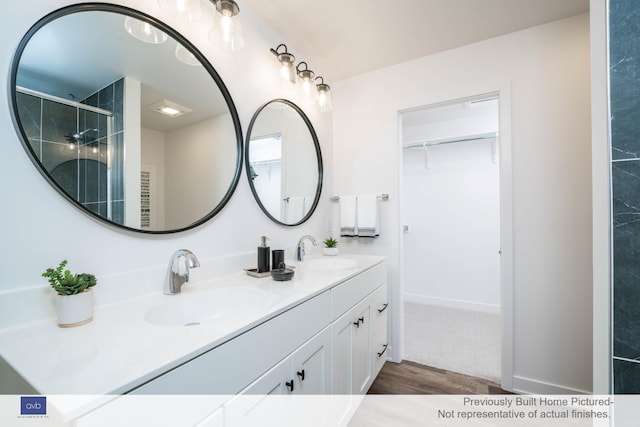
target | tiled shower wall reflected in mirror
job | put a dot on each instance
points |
(624, 66)
(82, 150)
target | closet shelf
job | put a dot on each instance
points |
(451, 140)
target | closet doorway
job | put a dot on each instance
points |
(450, 215)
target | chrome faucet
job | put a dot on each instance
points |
(175, 277)
(300, 251)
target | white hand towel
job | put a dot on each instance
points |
(348, 216)
(367, 216)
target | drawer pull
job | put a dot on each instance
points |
(360, 320)
(289, 384)
(301, 375)
(384, 307)
(383, 350)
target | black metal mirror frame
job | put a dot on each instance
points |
(316, 144)
(123, 10)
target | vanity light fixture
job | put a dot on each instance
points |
(184, 10)
(305, 77)
(286, 60)
(323, 96)
(183, 54)
(144, 31)
(227, 28)
(169, 108)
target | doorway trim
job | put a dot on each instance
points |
(503, 92)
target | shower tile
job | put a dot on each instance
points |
(624, 67)
(89, 120)
(54, 154)
(117, 167)
(58, 120)
(93, 182)
(66, 175)
(626, 377)
(626, 252)
(93, 100)
(106, 98)
(117, 212)
(29, 109)
(118, 105)
(98, 208)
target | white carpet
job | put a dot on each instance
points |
(462, 341)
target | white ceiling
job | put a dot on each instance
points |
(343, 38)
(58, 62)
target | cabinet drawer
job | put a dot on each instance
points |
(379, 309)
(379, 350)
(230, 367)
(347, 294)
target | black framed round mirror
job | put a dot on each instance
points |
(283, 162)
(126, 118)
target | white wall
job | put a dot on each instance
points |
(546, 72)
(40, 228)
(133, 152)
(192, 185)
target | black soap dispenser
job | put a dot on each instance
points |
(264, 255)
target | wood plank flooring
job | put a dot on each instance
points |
(414, 378)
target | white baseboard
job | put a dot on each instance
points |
(452, 303)
(524, 385)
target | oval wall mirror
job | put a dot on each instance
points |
(125, 118)
(283, 162)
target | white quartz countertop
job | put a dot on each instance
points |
(119, 350)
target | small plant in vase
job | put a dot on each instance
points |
(330, 246)
(75, 299)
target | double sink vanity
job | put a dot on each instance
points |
(225, 334)
(322, 333)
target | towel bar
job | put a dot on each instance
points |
(384, 197)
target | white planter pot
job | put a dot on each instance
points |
(330, 251)
(75, 310)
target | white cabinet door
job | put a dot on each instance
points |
(342, 345)
(252, 405)
(351, 336)
(311, 365)
(361, 353)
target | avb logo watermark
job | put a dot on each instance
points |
(33, 405)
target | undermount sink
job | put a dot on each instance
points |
(191, 309)
(329, 263)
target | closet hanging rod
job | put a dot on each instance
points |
(384, 197)
(441, 141)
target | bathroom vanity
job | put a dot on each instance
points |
(228, 340)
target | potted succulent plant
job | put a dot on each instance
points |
(330, 246)
(75, 299)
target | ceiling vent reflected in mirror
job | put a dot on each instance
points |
(169, 108)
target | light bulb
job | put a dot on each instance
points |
(184, 10)
(227, 30)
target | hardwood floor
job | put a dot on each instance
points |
(414, 378)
